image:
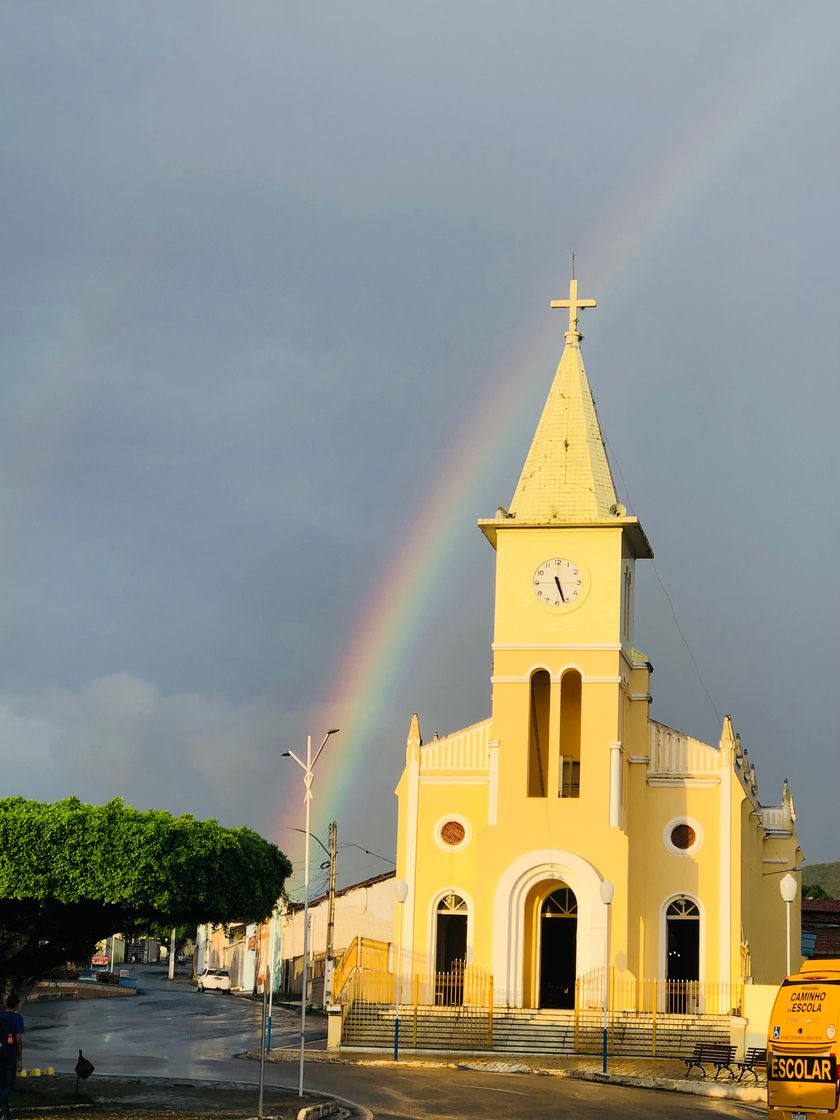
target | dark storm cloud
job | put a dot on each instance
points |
(259, 267)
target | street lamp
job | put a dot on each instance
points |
(307, 768)
(400, 895)
(787, 885)
(607, 891)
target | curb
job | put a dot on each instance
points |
(316, 1111)
(712, 1090)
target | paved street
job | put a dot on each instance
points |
(171, 1031)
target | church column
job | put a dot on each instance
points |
(493, 784)
(413, 767)
(725, 903)
(615, 784)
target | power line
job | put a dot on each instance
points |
(387, 859)
(668, 599)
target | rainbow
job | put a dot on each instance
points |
(639, 223)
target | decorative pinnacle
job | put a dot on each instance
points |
(573, 304)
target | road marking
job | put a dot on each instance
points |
(493, 1089)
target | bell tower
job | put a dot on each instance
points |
(562, 644)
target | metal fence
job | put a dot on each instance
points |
(441, 1010)
(673, 997)
(656, 1017)
(454, 1010)
(362, 952)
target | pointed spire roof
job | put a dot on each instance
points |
(566, 479)
(566, 476)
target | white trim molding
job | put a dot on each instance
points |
(512, 889)
(680, 783)
(493, 790)
(669, 828)
(609, 646)
(446, 780)
(555, 676)
(725, 903)
(663, 933)
(411, 852)
(616, 752)
(432, 923)
(460, 819)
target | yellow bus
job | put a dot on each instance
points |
(802, 1044)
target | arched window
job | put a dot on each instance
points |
(682, 931)
(558, 941)
(450, 949)
(570, 709)
(539, 723)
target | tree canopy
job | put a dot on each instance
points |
(815, 891)
(71, 874)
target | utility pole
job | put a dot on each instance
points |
(328, 963)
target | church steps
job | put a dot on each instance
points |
(531, 1031)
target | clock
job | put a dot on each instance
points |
(557, 582)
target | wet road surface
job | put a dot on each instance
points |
(171, 1031)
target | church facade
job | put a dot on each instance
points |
(569, 829)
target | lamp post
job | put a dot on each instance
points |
(607, 892)
(400, 895)
(787, 886)
(307, 768)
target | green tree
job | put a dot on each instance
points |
(814, 890)
(71, 874)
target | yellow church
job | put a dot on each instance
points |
(569, 833)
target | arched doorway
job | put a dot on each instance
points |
(450, 949)
(558, 944)
(521, 889)
(682, 932)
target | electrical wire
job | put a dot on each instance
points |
(664, 589)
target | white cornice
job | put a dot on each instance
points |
(577, 645)
(682, 780)
(432, 780)
(555, 677)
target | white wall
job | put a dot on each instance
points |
(758, 1004)
(359, 912)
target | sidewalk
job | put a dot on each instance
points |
(145, 1098)
(644, 1073)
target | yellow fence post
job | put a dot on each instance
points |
(653, 1022)
(416, 986)
(577, 1014)
(490, 1014)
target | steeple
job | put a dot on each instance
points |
(566, 476)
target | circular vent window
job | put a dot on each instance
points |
(453, 833)
(683, 837)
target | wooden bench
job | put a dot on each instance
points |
(755, 1056)
(716, 1054)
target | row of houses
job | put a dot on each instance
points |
(251, 951)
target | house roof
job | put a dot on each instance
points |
(293, 907)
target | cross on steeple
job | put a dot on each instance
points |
(573, 304)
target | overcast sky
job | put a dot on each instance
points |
(269, 271)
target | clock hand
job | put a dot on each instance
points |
(560, 589)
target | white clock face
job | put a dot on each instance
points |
(557, 582)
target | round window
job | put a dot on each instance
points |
(452, 833)
(683, 837)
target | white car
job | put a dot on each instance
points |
(213, 979)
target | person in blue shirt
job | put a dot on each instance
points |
(11, 1050)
